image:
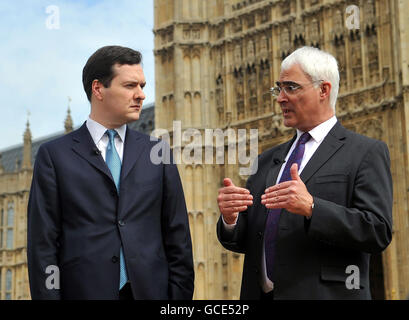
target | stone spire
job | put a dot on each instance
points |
(68, 124)
(27, 147)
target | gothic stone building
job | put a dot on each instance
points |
(16, 172)
(215, 62)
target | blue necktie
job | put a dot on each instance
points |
(273, 217)
(114, 164)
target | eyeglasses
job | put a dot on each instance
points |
(289, 87)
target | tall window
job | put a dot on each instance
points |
(1, 288)
(1, 229)
(10, 225)
(9, 276)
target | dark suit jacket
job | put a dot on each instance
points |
(350, 181)
(77, 221)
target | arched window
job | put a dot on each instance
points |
(10, 214)
(10, 225)
(1, 229)
(9, 278)
(1, 283)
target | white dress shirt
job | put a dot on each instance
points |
(101, 140)
(317, 136)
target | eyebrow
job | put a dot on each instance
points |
(278, 83)
(142, 84)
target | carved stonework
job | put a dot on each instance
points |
(196, 34)
(369, 12)
(219, 95)
(372, 128)
(285, 7)
(342, 67)
(373, 60)
(314, 33)
(264, 47)
(237, 55)
(356, 60)
(299, 33)
(251, 21)
(236, 25)
(338, 26)
(285, 43)
(250, 52)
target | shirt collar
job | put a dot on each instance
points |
(97, 130)
(320, 132)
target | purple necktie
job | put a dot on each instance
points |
(274, 214)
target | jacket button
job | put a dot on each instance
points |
(256, 270)
(260, 235)
(114, 259)
(113, 193)
(121, 223)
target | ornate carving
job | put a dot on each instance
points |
(219, 95)
(263, 46)
(250, 21)
(285, 43)
(239, 93)
(299, 33)
(250, 51)
(237, 54)
(372, 128)
(236, 25)
(314, 33)
(196, 34)
(356, 60)
(341, 58)
(369, 13)
(338, 26)
(186, 34)
(220, 31)
(286, 7)
(373, 63)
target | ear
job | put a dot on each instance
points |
(97, 90)
(325, 90)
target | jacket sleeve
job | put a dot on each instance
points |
(43, 229)
(366, 224)
(176, 236)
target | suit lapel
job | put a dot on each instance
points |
(133, 149)
(331, 143)
(277, 162)
(85, 147)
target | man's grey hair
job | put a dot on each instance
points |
(318, 65)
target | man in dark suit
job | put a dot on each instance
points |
(110, 222)
(319, 204)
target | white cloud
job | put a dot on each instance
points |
(40, 67)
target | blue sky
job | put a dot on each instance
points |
(40, 67)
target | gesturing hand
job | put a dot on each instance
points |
(232, 200)
(290, 195)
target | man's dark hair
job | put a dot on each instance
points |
(99, 65)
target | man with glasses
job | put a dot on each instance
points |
(319, 204)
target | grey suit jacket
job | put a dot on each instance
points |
(349, 178)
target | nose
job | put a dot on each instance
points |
(282, 97)
(139, 94)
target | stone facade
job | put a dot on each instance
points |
(215, 62)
